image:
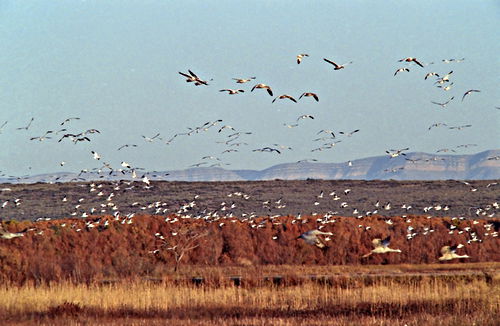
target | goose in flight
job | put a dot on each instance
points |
(267, 149)
(401, 70)
(305, 116)
(3, 125)
(449, 253)
(127, 145)
(69, 119)
(469, 92)
(243, 80)
(445, 88)
(263, 86)
(4, 234)
(443, 105)
(460, 127)
(281, 97)
(193, 78)
(337, 66)
(348, 134)
(312, 237)
(430, 74)
(43, 137)
(444, 79)
(150, 139)
(309, 94)
(410, 59)
(27, 126)
(396, 152)
(381, 246)
(300, 57)
(232, 91)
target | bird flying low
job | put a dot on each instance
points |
(449, 253)
(263, 86)
(381, 246)
(337, 66)
(396, 152)
(312, 237)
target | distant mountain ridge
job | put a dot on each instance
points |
(414, 166)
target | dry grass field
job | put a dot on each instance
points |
(434, 299)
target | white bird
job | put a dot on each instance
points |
(305, 116)
(443, 105)
(337, 66)
(401, 70)
(300, 57)
(95, 155)
(243, 80)
(381, 246)
(232, 91)
(4, 234)
(312, 237)
(449, 253)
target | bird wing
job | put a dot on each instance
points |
(331, 62)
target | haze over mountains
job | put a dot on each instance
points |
(414, 166)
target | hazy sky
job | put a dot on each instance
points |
(115, 65)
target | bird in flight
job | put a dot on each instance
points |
(460, 127)
(312, 237)
(150, 139)
(126, 145)
(401, 70)
(69, 119)
(337, 66)
(348, 134)
(300, 57)
(305, 116)
(243, 80)
(263, 86)
(449, 253)
(27, 126)
(430, 74)
(1, 127)
(381, 246)
(410, 59)
(396, 152)
(193, 78)
(284, 96)
(437, 124)
(309, 94)
(443, 105)
(43, 137)
(267, 149)
(232, 91)
(469, 92)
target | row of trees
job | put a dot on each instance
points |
(150, 246)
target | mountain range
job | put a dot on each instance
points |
(412, 166)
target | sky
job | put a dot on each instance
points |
(115, 65)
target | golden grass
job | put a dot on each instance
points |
(447, 301)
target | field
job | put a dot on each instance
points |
(375, 297)
(192, 266)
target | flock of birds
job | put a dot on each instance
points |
(235, 139)
(107, 193)
(326, 139)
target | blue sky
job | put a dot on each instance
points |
(115, 64)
